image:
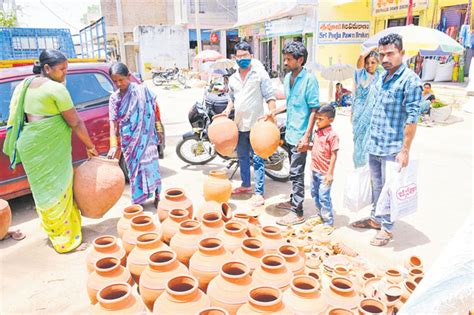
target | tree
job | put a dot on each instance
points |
(93, 12)
(8, 19)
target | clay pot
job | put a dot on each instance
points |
(264, 138)
(273, 271)
(175, 198)
(264, 300)
(224, 134)
(312, 265)
(137, 260)
(252, 223)
(212, 223)
(162, 266)
(217, 186)
(214, 206)
(5, 218)
(108, 270)
(213, 311)
(128, 213)
(170, 225)
(206, 263)
(415, 273)
(104, 246)
(393, 275)
(229, 289)
(304, 296)
(294, 261)
(182, 296)
(408, 287)
(371, 306)
(139, 225)
(185, 242)
(250, 253)
(339, 311)
(233, 235)
(98, 185)
(117, 298)
(341, 293)
(272, 239)
(392, 295)
(340, 271)
(414, 262)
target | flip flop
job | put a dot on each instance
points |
(366, 223)
(242, 190)
(17, 235)
(381, 239)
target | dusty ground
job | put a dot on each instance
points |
(35, 279)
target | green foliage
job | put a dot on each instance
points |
(8, 19)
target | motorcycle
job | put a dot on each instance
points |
(195, 147)
(159, 77)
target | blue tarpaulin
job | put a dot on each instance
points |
(205, 35)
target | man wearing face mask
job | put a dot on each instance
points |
(248, 88)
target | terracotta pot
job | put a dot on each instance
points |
(233, 235)
(294, 261)
(185, 242)
(273, 271)
(393, 275)
(313, 265)
(229, 289)
(212, 223)
(104, 246)
(206, 263)
(392, 295)
(371, 306)
(139, 225)
(224, 134)
(341, 293)
(408, 287)
(264, 300)
(250, 253)
(418, 279)
(217, 186)
(108, 270)
(182, 296)
(5, 218)
(304, 296)
(214, 206)
(414, 262)
(272, 239)
(264, 138)
(170, 225)
(252, 223)
(128, 213)
(339, 311)
(415, 273)
(162, 266)
(117, 298)
(340, 271)
(175, 198)
(137, 260)
(98, 185)
(213, 311)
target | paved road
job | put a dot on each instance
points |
(37, 280)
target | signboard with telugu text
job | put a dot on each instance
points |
(343, 32)
(380, 7)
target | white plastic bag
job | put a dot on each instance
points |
(399, 195)
(358, 191)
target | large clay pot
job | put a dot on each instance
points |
(294, 261)
(212, 310)
(162, 266)
(128, 213)
(5, 218)
(98, 185)
(229, 289)
(414, 262)
(117, 298)
(304, 296)
(170, 225)
(108, 270)
(137, 260)
(250, 253)
(233, 235)
(341, 293)
(206, 263)
(224, 134)
(185, 242)
(182, 296)
(214, 206)
(371, 307)
(104, 246)
(264, 300)
(217, 186)
(175, 198)
(264, 138)
(212, 223)
(139, 225)
(271, 238)
(273, 271)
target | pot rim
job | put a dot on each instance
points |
(189, 225)
(202, 247)
(218, 173)
(305, 278)
(213, 308)
(277, 257)
(152, 237)
(408, 287)
(271, 231)
(214, 213)
(393, 272)
(177, 278)
(240, 229)
(383, 307)
(276, 292)
(252, 240)
(418, 262)
(115, 261)
(342, 279)
(236, 264)
(336, 309)
(131, 210)
(172, 213)
(168, 252)
(103, 237)
(293, 248)
(148, 219)
(174, 193)
(122, 285)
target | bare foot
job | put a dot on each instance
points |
(81, 247)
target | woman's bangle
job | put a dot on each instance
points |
(113, 141)
(91, 149)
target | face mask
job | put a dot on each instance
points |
(244, 63)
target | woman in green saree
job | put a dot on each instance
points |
(42, 116)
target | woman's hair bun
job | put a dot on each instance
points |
(37, 67)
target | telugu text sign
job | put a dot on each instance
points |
(347, 32)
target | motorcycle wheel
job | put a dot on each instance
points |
(195, 151)
(157, 80)
(283, 174)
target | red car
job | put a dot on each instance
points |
(90, 87)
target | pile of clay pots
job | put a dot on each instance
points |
(214, 261)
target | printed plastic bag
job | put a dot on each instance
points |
(358, 191)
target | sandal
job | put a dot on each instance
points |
(242, 190)
(17, 235)
(381, 239)
(366, 223)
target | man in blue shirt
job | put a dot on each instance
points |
(393, 127)
(302, 101)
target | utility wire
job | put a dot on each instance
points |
(58, 16)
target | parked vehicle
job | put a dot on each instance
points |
(160, 77)
(90, 87)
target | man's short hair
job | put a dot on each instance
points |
(243, 45)
(327, 110)
(297, 50)
(338, 84)
(394, 39)
(427, 83)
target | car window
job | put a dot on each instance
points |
(6, 92)
(88, 89)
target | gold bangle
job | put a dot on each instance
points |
(113, 141)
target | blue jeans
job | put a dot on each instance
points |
(297, 166)
(244, 152)
(377, 174)
(322, 197)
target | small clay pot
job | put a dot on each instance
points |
(185, 242)
(212, 223)
(339, 311)
(304, 296)
(170, 225)
(415, 273)
(294, 261)
(217, 186)
(271, 238)
(273, 271)
(264, 300)
(408, 287)
(128, 213)
(341, 293)
(250, 253)
(414, 262)
(104, 246)
(117, 298)
(213, 311)
(371, 307)
(139, 225)
(392, 295)
(233, 235)
(213, 206)
(5, 218)
(251, 222)
(393, 275)
(175, 198)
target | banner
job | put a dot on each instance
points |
(380, 7)
(345, 32)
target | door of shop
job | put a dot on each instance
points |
(266, 54)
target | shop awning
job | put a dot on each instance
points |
(205, 35)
